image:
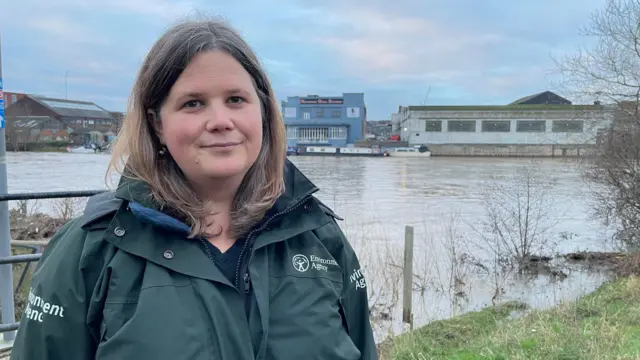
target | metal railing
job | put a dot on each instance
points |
(35, 245)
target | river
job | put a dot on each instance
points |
(378, 197)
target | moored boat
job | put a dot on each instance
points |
(336, 151)
(418, 151)
(86, 149)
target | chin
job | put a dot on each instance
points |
(225, 169)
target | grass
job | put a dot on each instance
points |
(602, 325)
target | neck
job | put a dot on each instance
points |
(219, 193)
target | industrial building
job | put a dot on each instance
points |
(324, 120)
(543, 124)
(33, 120)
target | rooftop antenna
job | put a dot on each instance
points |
(426, 98)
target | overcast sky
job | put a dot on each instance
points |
(466, 51)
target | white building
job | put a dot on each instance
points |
(526, 130)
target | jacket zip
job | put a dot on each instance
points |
(246, 276)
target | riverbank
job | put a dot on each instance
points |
(602, 325)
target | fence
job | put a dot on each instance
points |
(35, 246)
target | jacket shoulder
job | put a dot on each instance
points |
(78, 246)
(331, 235)
(99, 207)
(74, 247)
(327, 210)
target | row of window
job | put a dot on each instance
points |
(564, 126)
(320, 113)
(316, 134)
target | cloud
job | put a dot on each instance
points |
(467, 52)
(380, 47)
(158, 10)
(64, 29)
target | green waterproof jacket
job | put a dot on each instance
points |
(124, 282)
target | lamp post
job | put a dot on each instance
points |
(6, 271)
(66, 89)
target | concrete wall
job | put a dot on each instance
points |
(347, 111)
(510, 150)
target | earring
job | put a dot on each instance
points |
(162, 150)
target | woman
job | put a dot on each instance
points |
(212, 246)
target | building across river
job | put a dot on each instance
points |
(543, 124)
(324, 120)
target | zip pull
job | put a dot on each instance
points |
(246, 282)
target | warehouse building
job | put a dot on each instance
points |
(543, 124)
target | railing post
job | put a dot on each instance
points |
(6, 273)
(407, 291)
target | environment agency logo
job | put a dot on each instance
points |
(300, 262)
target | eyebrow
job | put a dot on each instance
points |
(197, 94)
(237, 91)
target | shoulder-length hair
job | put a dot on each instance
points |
(135, 153)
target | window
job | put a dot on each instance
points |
(290, 112)
(292, 132)
(571, 126)
(335, 114)
(461, 125)
(433, 125)
(337, 133)
(319, 113)
(314, 135)
(306, 116)
(496, 126)
(531, 126)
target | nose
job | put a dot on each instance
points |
(219, 118)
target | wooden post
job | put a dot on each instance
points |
(407, 291)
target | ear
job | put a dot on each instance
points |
(156, 124)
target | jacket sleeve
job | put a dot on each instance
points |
(355, 303)
(53, 325)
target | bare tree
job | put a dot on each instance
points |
(66, 208)
(519, 214)
(609, 72)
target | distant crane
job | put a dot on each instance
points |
(426, 98)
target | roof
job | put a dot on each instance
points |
(73, 108)
(525, 99)
(544, 107)
(545, 97)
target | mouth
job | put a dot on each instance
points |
(223, 145)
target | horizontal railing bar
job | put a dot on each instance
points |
(30, 243)
(14, 259)
(49, 195)
(9, 327)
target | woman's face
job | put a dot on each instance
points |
(211, 121)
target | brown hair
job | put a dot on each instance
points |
(136, 151)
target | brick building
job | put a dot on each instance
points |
(84, 121)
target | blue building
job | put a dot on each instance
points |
(327, 120)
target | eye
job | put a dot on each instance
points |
(192, 104)
(236, 100)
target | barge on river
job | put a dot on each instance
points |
(334, 151)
